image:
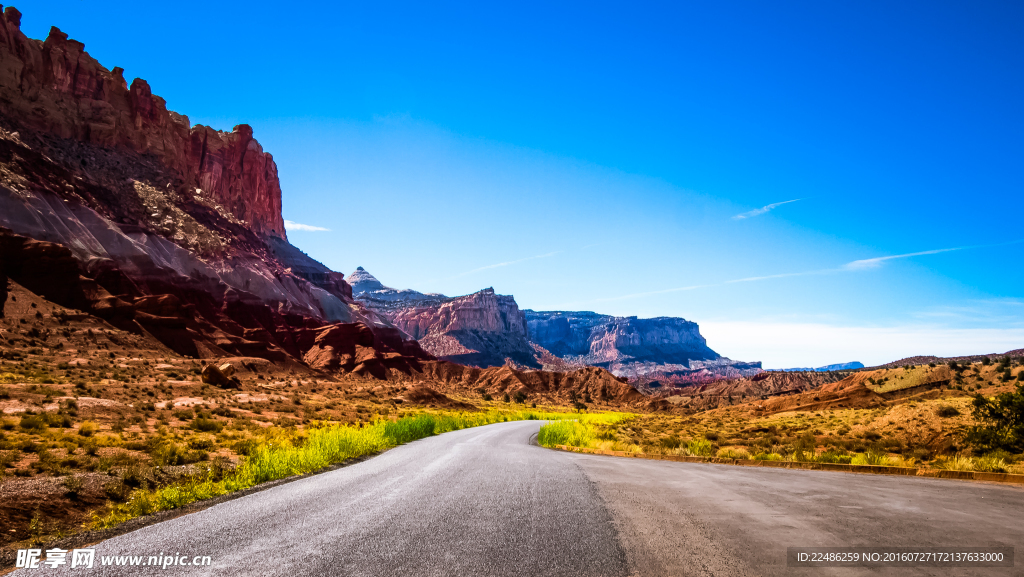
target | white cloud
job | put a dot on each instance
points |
(763, 209)
(507, 263)
(786, 345)
(877, 262)
(289, 225)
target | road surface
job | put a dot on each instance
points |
(485, 501)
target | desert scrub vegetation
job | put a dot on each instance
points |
(582, 430)
(294, 452)
(1000, 422)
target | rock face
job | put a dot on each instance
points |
(826, 368)
(364, 282)
(482, 329)
(55, 87)
(603, 339)
(668, 348)
(485, 329)
(724, 393)
(113, 205)
(367, 288)
(591, 384)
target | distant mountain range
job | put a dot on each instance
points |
(826, 368)
(488, 329)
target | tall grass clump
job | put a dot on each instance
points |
(699, 448)
(871, 458)
(582, 431)
(733, 453)
(572, 433)
(320, 447)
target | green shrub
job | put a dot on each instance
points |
(201, 443)
(571, 433)
(183, 414)
(699, 448)
(87, 428)
(871, 458)
(957, 462)
(733, 453)
(72, 485)
(833, 456)
(671, 442)
(32, 423)
(946, 411)
(1001, 422)
(990, 464)
(767, 457)
(205, 425)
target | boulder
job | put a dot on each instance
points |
(220, 376)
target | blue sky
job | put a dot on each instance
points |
(641, 159)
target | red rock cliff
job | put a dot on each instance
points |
(56, 87)
(482, 329)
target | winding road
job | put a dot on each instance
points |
(487, 502)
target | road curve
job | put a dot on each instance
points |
(484, 501)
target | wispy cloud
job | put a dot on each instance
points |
(649, 293)
(783, 275)
(853, 266)
(763, 209)
(507, 263)
(289, 225)
(803, 344)
(869, 263)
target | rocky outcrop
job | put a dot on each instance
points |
(425, 396)
(367, 288)
(115, 206)
(588, 384)
(54, 86)
(482, 329)
(666, 348)
(827, 368)
(605, 339)
(723, 393)
(485, 329)
(3, 289)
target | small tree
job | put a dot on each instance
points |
(1002, 422)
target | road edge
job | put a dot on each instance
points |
(95, 536)
(1000, 478)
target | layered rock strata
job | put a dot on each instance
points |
(669, 349)
(54, 86)
(483, 329)
(114, 205)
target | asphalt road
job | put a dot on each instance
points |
(484, 501)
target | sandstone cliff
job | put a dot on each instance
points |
(114, 205)
(55, 86)
(667, 348)
(483, 329)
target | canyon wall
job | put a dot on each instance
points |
(485, 329)
(482, 329)
(114, 205)
(648, 351)
(605, 339)
(54, 86)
